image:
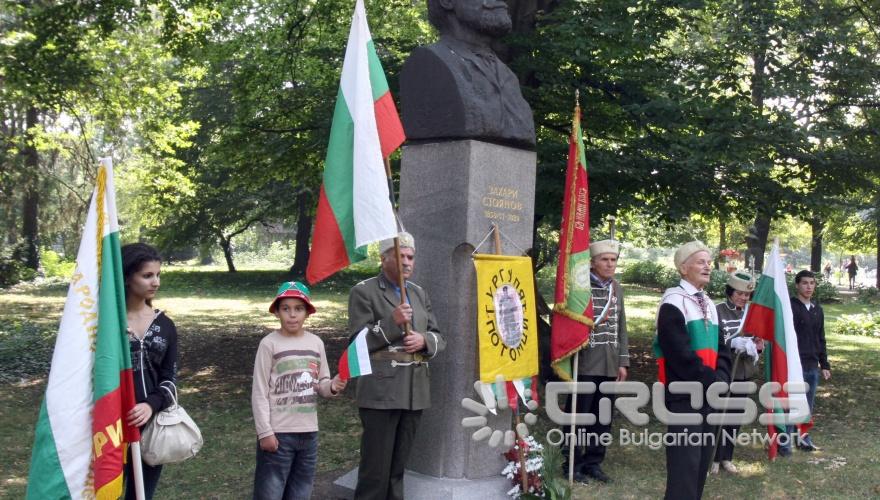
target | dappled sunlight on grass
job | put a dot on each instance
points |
(16, 480)
(204, 372)
(751, 469)
(45, 311)
(221, 319)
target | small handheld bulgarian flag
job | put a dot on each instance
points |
(355, 360)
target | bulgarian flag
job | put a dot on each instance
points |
(573, 309)
(769, 317)
(354, 207)
(355, 360)
(81, 435)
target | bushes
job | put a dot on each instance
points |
(650, 274)
(825, 291)
(869, 295)
(55, 266)
(653, 275)
(717, 284)
(12, 266)
(858, 324)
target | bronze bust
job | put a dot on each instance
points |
(457, 88)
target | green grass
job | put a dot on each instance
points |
(221, 318)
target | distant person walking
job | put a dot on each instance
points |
(827, 271)
(851, 269)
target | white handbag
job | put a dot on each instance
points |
(171, 436)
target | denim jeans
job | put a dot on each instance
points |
(289, 472)
(811, 377)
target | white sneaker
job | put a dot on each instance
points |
(714, 469)
(728, 466)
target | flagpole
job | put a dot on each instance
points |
(137, 467)
(572, 443)
(401, 281)
(523, 473)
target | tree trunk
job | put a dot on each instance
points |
(303, 232)
(31, 201)
(205, 257)
(818, 227)
(226, 245)
(722, 241)
(877, 215)
(757, 240)
(758, 233)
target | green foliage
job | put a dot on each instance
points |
(868, 295)
(650, 274)
(825, 291)
(653, 275)
(12, 266)
(556, 486)
(717, 284)
(55, 266)
(858, 324)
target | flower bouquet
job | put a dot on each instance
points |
(542, 471)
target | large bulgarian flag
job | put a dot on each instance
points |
(81, 435)
(769, 317)
(354, 207)
(573, 309)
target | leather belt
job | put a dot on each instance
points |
(402, 357)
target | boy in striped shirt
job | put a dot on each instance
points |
(290, 371)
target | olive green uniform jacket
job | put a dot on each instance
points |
(393, 384)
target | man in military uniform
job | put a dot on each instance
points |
(391, 399)
(605, 359)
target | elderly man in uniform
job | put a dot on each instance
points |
(391, 400)
(689, 348)
(605, 359)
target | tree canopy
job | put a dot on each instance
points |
(698, 116)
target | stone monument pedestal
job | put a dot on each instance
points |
(450, 194)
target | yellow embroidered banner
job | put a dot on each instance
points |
(506, 320)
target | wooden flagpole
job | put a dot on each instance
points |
(523, 473)
(401, 282)
(572, 440)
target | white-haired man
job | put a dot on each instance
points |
(689, 348)
(605, 359)
(391, 400)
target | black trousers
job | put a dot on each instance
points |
(385, 446)
(687, 464)
(726, 441)
(151, 479)
(590, 453)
